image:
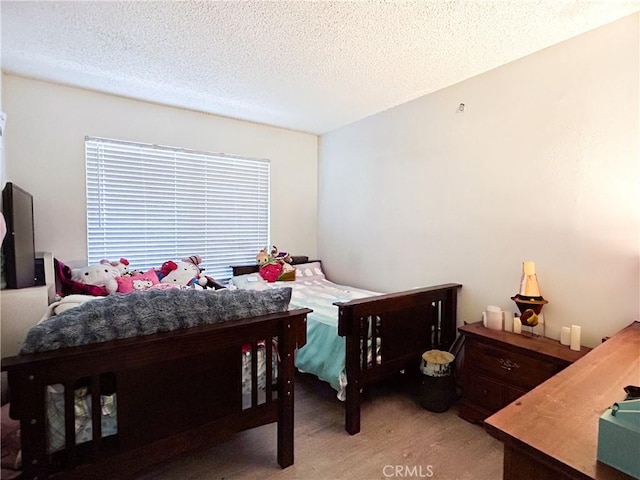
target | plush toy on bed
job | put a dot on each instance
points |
(121, 265)
(288, 273)
(269, 269)
(262, 258)
(274, 256)
(185, 273)
(65, 285)
(282, 257)
(203, 280)
(274, 265)
(137, 282)
(100, 275)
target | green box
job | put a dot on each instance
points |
(619, 437)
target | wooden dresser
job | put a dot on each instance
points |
(497, 367)
(551, 433)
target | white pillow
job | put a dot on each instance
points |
(251, 281)
(309, 271)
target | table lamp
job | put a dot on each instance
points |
(529, 295)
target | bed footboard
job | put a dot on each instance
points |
(387, 333)
(172, 392)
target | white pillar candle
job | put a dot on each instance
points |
(508, 321)
(575, 338)
(517, 325)
(565, 336)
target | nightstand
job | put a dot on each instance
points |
(494, 368)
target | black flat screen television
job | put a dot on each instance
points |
(18, 246)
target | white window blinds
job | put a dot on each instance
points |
(150, 204)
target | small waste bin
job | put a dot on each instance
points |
(437, 385)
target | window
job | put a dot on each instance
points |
(150, 204)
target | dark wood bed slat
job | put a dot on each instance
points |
(96, 417)
(69, 422)
(269, 346)
(175, 391)
(254, 374)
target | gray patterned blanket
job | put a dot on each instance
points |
(152, 311)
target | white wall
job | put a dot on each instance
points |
(45, 145)
(543, 165)
(2, 165)
(2, 161)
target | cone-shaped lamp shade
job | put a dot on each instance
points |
(529, 282)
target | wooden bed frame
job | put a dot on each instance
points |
(176, 391)
(407, 324)
(404, 325)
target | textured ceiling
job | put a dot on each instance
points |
(311, 66)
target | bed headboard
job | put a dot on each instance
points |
(244, 269)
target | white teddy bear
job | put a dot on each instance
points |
(183, 273)
(101, 275)
(121, 265)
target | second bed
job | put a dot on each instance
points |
(357, 337)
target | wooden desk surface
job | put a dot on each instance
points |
(557, 422)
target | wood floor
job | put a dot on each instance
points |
(399, 439)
